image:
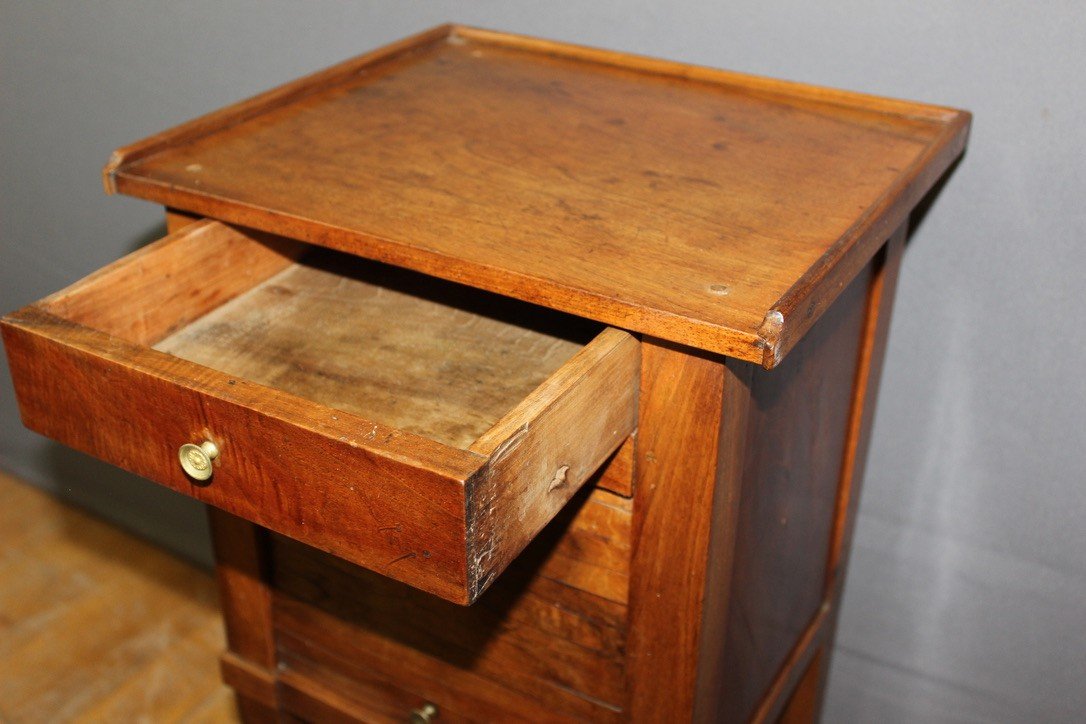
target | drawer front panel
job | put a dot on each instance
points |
(327, 689)
(133, 408)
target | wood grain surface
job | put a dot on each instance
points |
(708, 208)
(164, 286)
(388, 425)
(880, 306)
(243, 567)
(545, 449)
(286, 463)
(537, 646)
(99, 626)
(796, 440)
(692, 417)
(437, 359)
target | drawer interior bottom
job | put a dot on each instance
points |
(417, 353)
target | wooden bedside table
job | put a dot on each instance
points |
(587, 341)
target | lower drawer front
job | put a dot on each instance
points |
(331, 690)
(419, 429)
(537, 646)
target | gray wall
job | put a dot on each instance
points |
(967, 595)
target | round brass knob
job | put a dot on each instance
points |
(196, 459)
(424, 714)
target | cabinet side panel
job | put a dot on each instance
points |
(795, 442)
(877, 327)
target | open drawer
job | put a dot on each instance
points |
(421, 429)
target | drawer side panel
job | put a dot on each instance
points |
(543, 451)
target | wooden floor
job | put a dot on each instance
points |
(98, 626)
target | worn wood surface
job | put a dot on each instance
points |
(98, 626)
(880, 303)
(316, 694)
(796, 691)
(437, 359)
(536, 633)
(693, 408)
(876, 330)
(412, 507)
(796, 439)
(340, 691)
(704, 207)
(712, 211)
(243, 570)
(249, 108)
(254, 685)
(784, 687)
(618, 474)
(507, 317)
(177, 219)
(285, 463)
(168, 284)
(802, 707)
(545, 449)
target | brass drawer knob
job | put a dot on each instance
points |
(196, 459)
(424, 714)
